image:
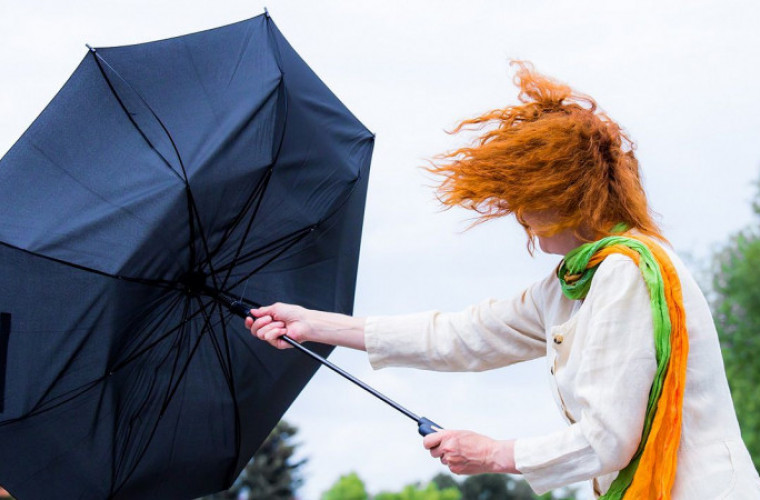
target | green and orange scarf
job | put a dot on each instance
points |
(651, 471)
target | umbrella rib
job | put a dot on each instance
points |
(193, 215)
(41, 404)
(256, 195)
(114, 472)
(65, 397)
(165, 284)
(226, 367)
(233, 395)
(304, 232)
(126, 440)
(43, 407)
(79, 391)
(274, 257)
(217, 349)
(342, 203)
(203, 331)
(143, 338)
(150, 346)
(229, 377)
(165, 405)
(273, 40)
(263, 184)
(98, 59)
(264, 249)
(178, 343)
(191, 221)
(258, 199)
(204, 241)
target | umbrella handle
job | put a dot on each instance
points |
(427, 426)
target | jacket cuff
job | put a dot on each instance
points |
(372, 343)
(556, 460)
(398, 340)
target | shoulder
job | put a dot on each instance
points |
(618, 279)
(617, 263)
(551, 304)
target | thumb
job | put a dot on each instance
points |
(261, 311)
(432, 440)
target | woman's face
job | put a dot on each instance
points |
(558, 243)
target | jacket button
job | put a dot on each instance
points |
(558, 339)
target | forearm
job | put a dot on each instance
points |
(336, 329)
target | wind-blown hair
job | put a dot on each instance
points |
(554, 153)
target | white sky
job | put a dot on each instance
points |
(680, 76)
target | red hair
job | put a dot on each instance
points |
(554, 153)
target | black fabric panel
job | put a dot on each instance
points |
(5, 333)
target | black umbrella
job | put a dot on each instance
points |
(164, 180)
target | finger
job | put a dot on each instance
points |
(272, 331)
(436, 452)
(261, 321)
(249, 323)
(432, 440)
(458, 469)
(261, 333)
(259, 325)
(281, 344)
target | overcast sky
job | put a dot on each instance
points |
(680, 76)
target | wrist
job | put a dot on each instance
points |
(503, 457)
(335, 329)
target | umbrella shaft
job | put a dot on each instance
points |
(240, 310)
(350, 377)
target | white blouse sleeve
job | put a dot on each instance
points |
(611, 387)
(491, 334)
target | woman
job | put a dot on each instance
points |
(630, 342)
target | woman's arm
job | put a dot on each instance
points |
(303, 325)
(488, 335)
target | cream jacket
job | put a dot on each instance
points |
(600, 355)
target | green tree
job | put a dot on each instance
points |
(506, 487)
(348, 487)
(736, 309)
(271, 474)
(490, 486)
(416, 492)
(486, 487)
(444, 481)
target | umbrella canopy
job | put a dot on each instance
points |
(164, 179)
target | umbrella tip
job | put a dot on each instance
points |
(88, 46)
(266, 12)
